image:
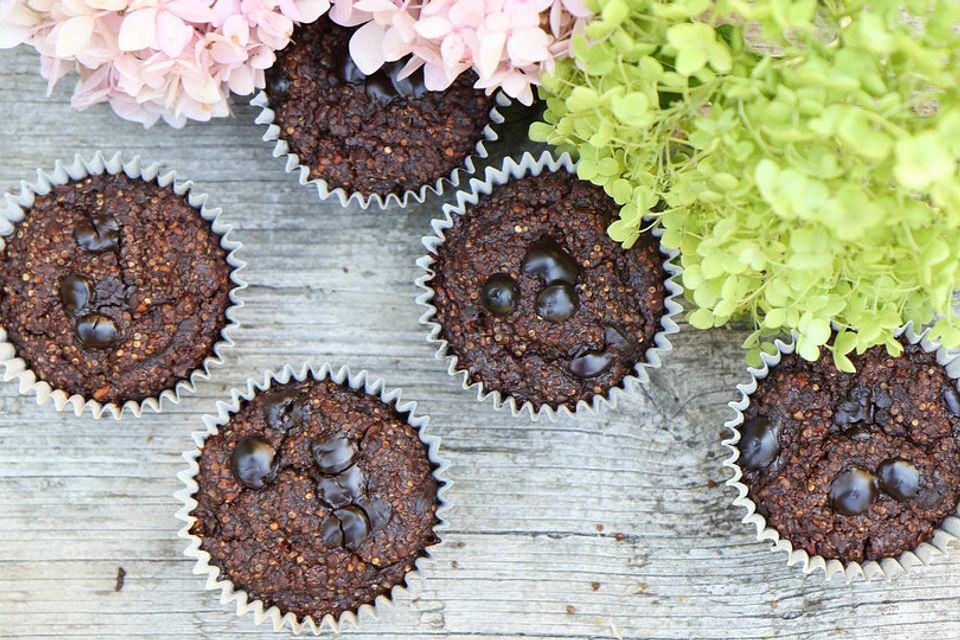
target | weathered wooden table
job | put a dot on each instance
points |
(615, 526)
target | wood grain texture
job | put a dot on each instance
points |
(534, 549)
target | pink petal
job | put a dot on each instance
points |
(411, 65)
(237, 29)
(12, 35)
(223, 9)
(278, 26)
(73, 35)
(172, 34)
(527, 46)
(491, 51)
(129, 109)
(524, 19)
(343, 13)
(366, 47)
(201, 89)
(394, 45)
(138, 30)
(517, 85)
(226, 52)
(262, 58)
(577, 8)
(453, 48)
(435, 78)
(241, 81)
(304, 10)
(373, 6)
(466, 13)
(433, 28)
(196, 11)
(406, 25)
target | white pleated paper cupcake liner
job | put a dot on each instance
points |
(949, 529)
(282, 150)
(244, 604)
(15, 209)
(511, 169)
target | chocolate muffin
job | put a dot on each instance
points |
(113, 288)
(370, 134)
(859, 466)
(315, 498)
(534, 298)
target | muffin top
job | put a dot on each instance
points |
(315, 498)
(537, 301)
(858, 466)
(113, 288)
(369, 134)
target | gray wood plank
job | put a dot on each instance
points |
(615, 526)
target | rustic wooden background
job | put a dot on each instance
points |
(609, 527)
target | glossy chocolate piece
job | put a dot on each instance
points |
(332, 453)
(333, 493)
(759, 443)
(353, 481)
(856, 407)
(858, 433)
(557, 302)
(591, 364)
(98, 234)
(331, 535)
(76, 293)
(899, 479)
(385, 85)
(96, 331)
(378, 512)
(853, 492)
(500, 294)
(626, 345)
(281, 410)
(355, 525)
(254, 462)
(547, 259)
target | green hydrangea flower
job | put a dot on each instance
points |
(801, 155)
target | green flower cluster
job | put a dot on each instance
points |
(801, 154)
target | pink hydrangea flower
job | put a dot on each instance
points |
(508, 43)
(150, 59)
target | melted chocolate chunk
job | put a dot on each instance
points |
(591, 364)
(557, 302)
(952, 399)
(331, 535)
(547, 259)
(281, 410)
(332, 453)
(856, 407)
(254, 462)
(334, 493)
(96, 331)
(385, 85)
(76, 293)
(98, 234)
(858, 433)
(626, 345)
(882, 399)
(378, 512)
(500, 294)
(355, 525)
(353, 482)
(759, 443)
(853, 492)
(899, 479)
